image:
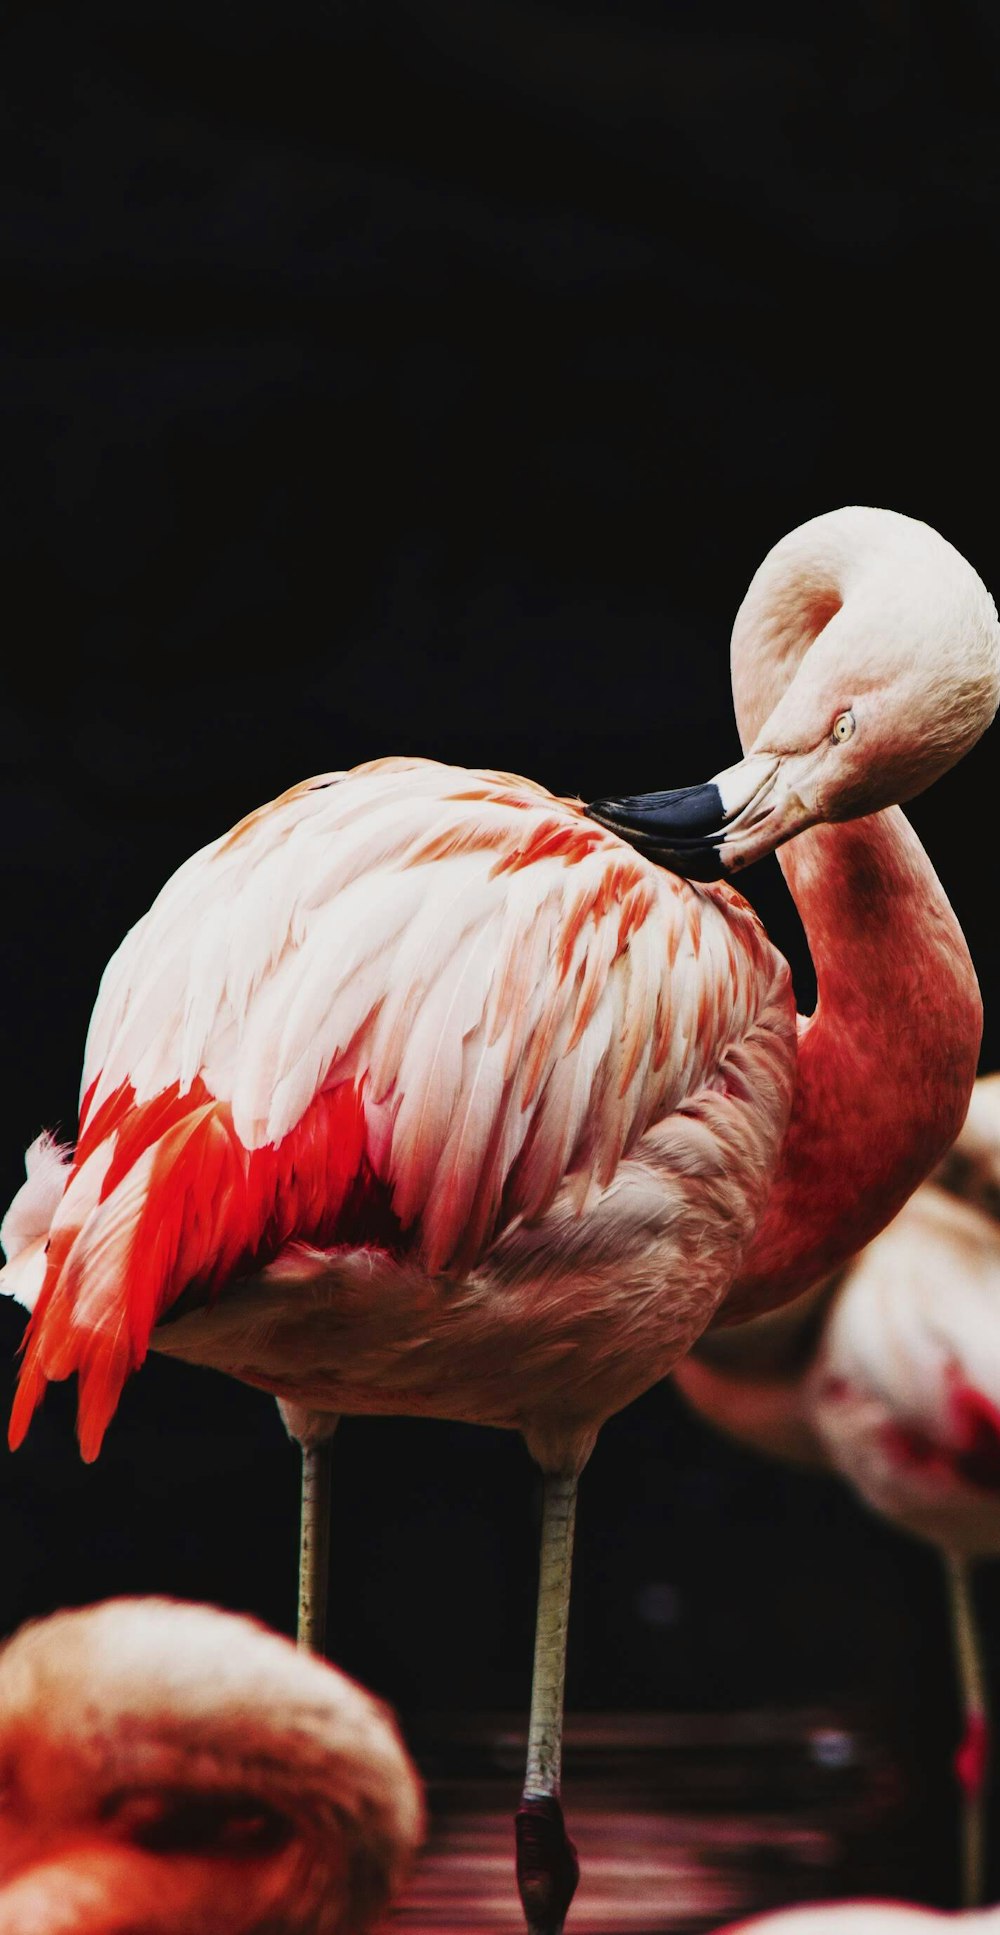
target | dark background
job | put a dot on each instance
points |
(431, 378)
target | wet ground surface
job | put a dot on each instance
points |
(682, 1822)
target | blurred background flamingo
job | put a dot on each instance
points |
(418, 1092)
(172, 1768)
(867, 1918)
(890, 1374)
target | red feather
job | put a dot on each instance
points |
(211, 1210)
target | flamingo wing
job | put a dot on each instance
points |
(395, 1008)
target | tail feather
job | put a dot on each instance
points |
(170, 1197)
(27, 1397)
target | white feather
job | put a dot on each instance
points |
(388, 927)
(29, 1217)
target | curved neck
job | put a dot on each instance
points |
(886, 1063)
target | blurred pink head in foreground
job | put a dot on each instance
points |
(168, 1767)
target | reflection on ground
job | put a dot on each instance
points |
(681, 1821)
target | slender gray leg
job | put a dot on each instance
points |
(972, 1759)
(547, 1867)
(314, 1546)
(312, 1432)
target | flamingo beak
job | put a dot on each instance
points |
(705, 832)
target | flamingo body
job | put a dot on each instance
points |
(904, 1393)
(181, 1771)
(407, 1095)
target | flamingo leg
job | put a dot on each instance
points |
(314, 1545)
(971, 1760)
(547, 1867)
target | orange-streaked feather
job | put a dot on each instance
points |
(397, 1008)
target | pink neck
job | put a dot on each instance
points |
(886, 1064)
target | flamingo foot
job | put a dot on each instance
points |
(547, 1867)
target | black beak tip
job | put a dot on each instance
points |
(631, 820)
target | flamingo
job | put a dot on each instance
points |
(423, 1091)
(183, 1771)
(890, 1375)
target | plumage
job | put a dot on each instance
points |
(465, 1012)
(178, 1770)
(904, 1392)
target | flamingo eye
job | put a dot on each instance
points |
(843, 727)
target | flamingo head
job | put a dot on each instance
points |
(866, 662)
(173, 1767)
